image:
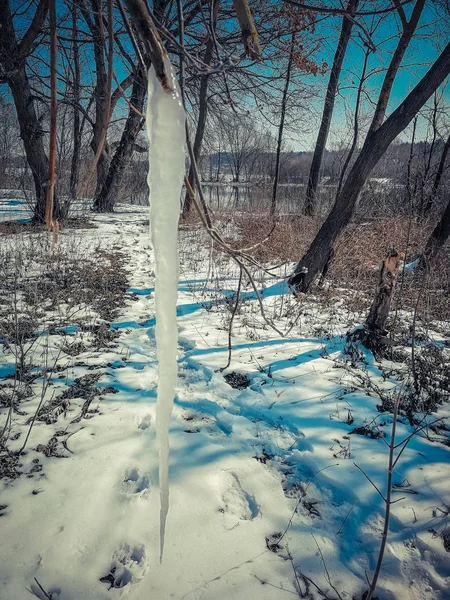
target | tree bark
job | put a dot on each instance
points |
(202, 117)
(273, 204)
(379, 310)
(355, 122)
(13, 59)
(373, 149)
(75, 163)
(313, 181)
(437, 177)
(248, 29)
(32, 137)
(94, 22)
(107, 195)
(437, 239)
(409, 28)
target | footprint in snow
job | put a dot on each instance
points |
(135, 482)
(128, 565)
(237, 504)
(144, 422)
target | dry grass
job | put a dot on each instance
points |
(14, 228)
(358, 254)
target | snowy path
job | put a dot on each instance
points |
(241, 460)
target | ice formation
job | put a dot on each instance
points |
(166, 135)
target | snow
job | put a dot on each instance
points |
(243, 463)
(166, 135)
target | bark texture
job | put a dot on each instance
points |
(13, 55)
(379, 310)
(438, 177)
(107, 195)
(248, 29)
(76, 90)
(93, 18)
(437, 239)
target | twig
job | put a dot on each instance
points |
(230, 327)
(388, 502)
(327, 574)
(344, 521)
(370, 481)
(42, 589)
(301, 498)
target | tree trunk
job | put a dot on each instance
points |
(273, 204)
(376, 144)
(202, 116)
(409, 28)
(437, 177)
(313, 181)
(106, 198)
(379, 311)
(373, 334)
(13, 59)
(355, 122)
(93, 18)
(32, 137)
(437, 238)
(75, 164)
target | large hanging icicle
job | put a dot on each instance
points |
(166, 135)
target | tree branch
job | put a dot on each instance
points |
(343, 11)
(118, 92)
(34, 29)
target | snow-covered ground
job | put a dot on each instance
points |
(265, 499)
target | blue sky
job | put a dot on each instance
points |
(432, 35)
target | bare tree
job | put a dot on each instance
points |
(76, 97)
(335, 73)
(13, 62)
(106, 197)
(273, 204)
(376, 143)
(202, 108)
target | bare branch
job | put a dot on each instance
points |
(34, 29)
(343, 11)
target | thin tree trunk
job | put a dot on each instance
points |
(430, 149)
(202, 115)
(374, 147)
(437, 239)
(438, 177)
(94, 21)
(409, 28)
(75, 163)
(106, 198)
(273, 204)
(355, 122)
(313, 181)
(50, 224)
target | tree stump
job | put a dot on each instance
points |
(373, 334)
(379, 311)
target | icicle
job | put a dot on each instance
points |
(166, 135)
